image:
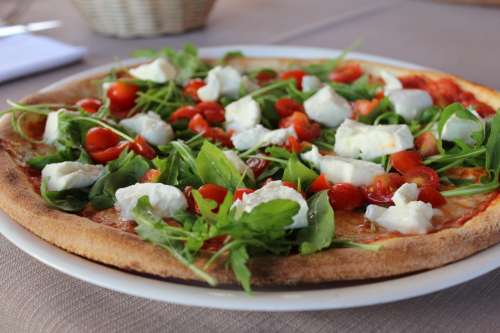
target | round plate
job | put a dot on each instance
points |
(269, 300)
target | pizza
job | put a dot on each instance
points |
(257, 171)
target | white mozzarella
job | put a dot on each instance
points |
(346, 170)
(150, 126)
(354, 139)
(312, 156)
(327, 107)
(210, 92)
(238, 163)
(160, 71)
(166, 200)
(412, 218)
(310, 83)
(272, 191)
(68, 175)
(242, 114)
(405, 193)
(51, 132)
(410, 103)
(457, 128)
(259, 136)
(391, 82)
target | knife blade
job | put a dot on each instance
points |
(30, 27)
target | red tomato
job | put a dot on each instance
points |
(426, 144)
(483, 109)
(108, 154)
(191, 88)
(380, 191)
(257, 165)
(265, 76)
(122, 97)
(184, 112)
(306, 131)
(213, 192)
(319, 184)
(347, 73)
(345, 196)
(422, 176)
(151, 176)
(100, 138)
(413, 82)
(213, 111)
(296, 75)
(89, 105)
(364, 107)
(287, 106)
(293, 145)
(403, 161)
(188, 193)
(141, 147)
(238, 193)
(430, 195)
(198, 124)
(219, 135)
(287, 184)
(214, 244)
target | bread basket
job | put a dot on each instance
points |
(141, 18)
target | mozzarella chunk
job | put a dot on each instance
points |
(51, 132)
(221, 81)
(272, 191)
(67, 175)
(405, 193)
(310, 83)
(242, 114)
(159, 71)
(410, 103)
(150, 126)
(312, 156)
(166, 200)
(327, 107)
(238, 163)
(354, 139)
(346, 170)
(457, 128)
(261, 136)
(391, 82)
(210, 92)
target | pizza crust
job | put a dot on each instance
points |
(114, 247)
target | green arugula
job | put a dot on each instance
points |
(297, 173)
(71, 200)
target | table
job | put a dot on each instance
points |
(462, 40)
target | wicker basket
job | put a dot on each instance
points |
(139, 18)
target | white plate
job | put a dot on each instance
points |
(279, 300)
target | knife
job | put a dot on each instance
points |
(30, 27)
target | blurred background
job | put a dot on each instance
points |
(457, 38)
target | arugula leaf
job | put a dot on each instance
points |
(356, 245)
(229, 55)
(384, 106)
(268, 216)
(72, 200)
(359, 89)
(326, 139)
(297, 173)
(321, 229)
(169, 169)
(122, 172)
(72, 130)
(278, 152)
(215, 168)
(65, 154)
(238, 258)
(493, 145)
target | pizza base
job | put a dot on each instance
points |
(103, 244)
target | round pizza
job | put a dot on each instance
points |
(257, 171)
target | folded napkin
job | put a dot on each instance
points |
(25, 54)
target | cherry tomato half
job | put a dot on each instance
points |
(257, 165)
(287, 106)
(100, 138)
(422, 176)
(141, 146)
(151, 176)
(430, 195)
(213, 192)
(184, 112)
(89, 105)
(238, 193)
(191, 89)
(108, 154)
(426, 144)
(319, 184)
(347, 73)
(364, 107)
(213, 111)
(345, 196)
(214, 244)
(380, 191)
(198, 124)
(306, 131)
(265, 76)
(296, 75)
(293, 145)
(122, 97)
(404, 161)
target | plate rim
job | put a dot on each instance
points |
(371, 293)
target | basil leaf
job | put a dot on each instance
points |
(238, 259)
(319, 233)
(72, 200)
(122, 172)
(215, 168)
(297, 173)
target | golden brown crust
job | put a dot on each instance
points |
(110, 246)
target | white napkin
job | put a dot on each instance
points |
(25, 54)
